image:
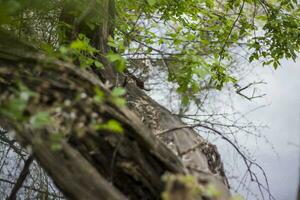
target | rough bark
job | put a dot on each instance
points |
(201, 162)
(136, 158)
(90, 161)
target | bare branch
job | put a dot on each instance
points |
(32, 188)
(248, 163)
(21, 179)
(253, 95)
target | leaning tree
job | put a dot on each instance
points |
(74, 74)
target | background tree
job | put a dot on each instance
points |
(73, 74)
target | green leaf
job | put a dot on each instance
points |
(112, 57)
(116, 98)
(99, 95)
(185, 100)
(14, 109)
(120, 102)
(120, 65)
(78, 44)
(151, 2)
(98, 64)
(118, 60)
(112, 125)
(118, 91)
(40, 119)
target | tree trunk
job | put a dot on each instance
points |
(90, 163)
(197, 161)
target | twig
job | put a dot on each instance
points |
(253, 96)
(21, 178)
(249, 163)
(232, 27)
(32, 188)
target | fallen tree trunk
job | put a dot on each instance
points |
(86, 161)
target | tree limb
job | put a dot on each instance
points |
(21, 179)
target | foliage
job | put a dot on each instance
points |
(40, 119)
(116, 96)
(80, 50)
(17, 105)
(195, 39)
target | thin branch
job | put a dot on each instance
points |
(253, 96)
(12, 144)
(32, 188)
(232, 27)
(249, 163)
(21, 179)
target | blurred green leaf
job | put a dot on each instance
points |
(99, 95)
(56, 139)
(118, 91)
(40, 119)
(98, 64)
(151, 2)
(111, 125)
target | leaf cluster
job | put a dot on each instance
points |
(194, 39)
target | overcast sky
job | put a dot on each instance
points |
(282, 116)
